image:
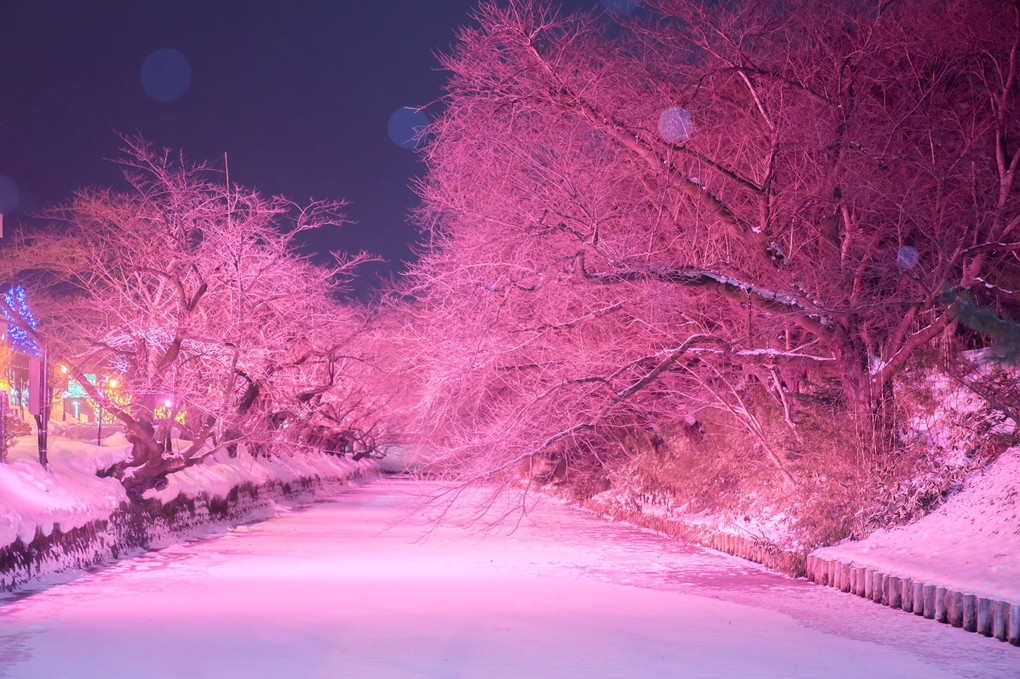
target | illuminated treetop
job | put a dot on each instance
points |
(18, 314)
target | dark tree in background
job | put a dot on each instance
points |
(633, 221)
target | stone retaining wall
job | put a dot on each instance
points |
(990, 617)
(151, 524)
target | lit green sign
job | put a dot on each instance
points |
(75, 390)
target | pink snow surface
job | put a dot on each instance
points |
(970, 543)
(367, 586)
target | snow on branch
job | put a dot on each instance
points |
(763, 299)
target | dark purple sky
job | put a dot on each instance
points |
(298, 94)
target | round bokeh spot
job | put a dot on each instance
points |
(620, 8)
(675, 125)
(166, 75)
(906, 257)
(10, 197)
(407, 128)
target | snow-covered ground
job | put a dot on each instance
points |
(367, 586)
(970, 543)
(69, 493)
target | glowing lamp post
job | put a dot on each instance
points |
(99, 423)
(168, 405)
(111, 384)
(63, 377)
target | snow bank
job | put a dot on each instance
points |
(970, 543)
(69, 493)
(762, 523)
(218, 474)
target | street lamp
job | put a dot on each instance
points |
(111, 384)
(99, 423)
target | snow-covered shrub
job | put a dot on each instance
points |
(15, 428)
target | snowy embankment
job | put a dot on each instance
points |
(959, 565)
(65, 516)
(971, 542)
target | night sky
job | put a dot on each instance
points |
(298, 94)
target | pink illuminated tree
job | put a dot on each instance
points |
(632, 221)
(192, 292)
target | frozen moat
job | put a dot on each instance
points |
(368, 585)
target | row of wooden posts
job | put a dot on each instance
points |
(984, 615)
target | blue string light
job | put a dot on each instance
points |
(20, 339)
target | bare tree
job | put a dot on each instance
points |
(623, 218)
(192, 291)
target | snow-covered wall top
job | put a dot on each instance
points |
(69, 493)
